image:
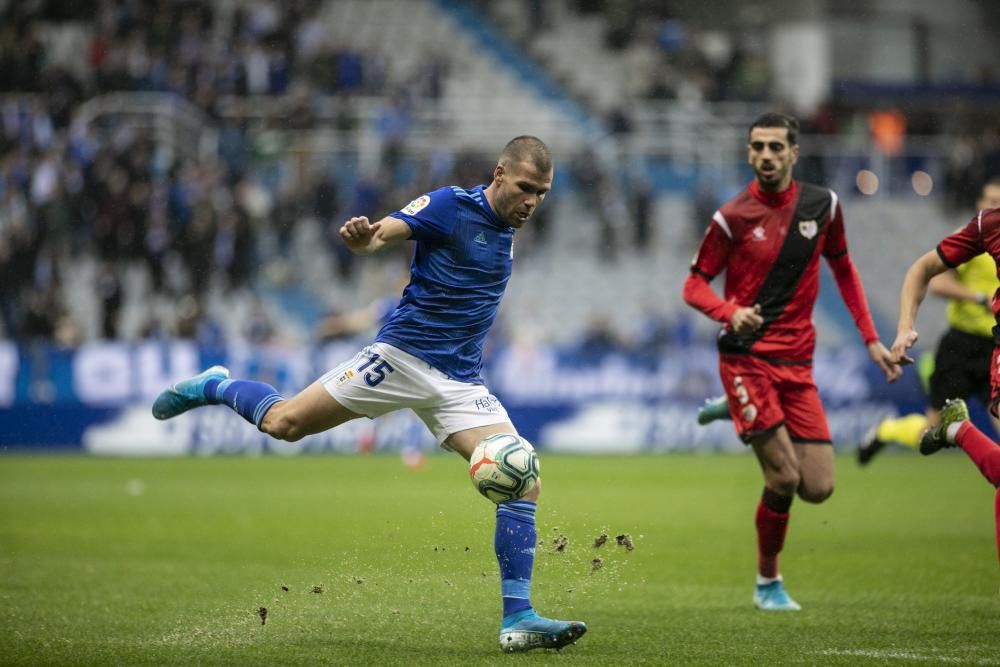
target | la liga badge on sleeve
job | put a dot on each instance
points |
(417, 205)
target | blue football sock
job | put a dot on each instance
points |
(251, 400)
(514, 543)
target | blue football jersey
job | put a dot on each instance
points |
(458, 275)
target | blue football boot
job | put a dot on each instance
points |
(772, 597)
(713, 410)
(186, 394)
(526, 630)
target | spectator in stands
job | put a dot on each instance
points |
(121, 196)
(593, 184)
(109, 292)
(392, 125)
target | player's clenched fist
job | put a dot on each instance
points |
(357, 232)
(746, 320)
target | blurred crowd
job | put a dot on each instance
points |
(71, 191)
(87, 206)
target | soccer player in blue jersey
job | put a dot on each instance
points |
(427, 356)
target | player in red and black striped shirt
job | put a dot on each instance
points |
(981, 235)
(768, 240)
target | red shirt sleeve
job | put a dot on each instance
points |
(713, 253)
(964, 244)
(847, 277)
(835, 244)
(699, 294)
(853, 293)
(709, 261)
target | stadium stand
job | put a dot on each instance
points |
(187, 181)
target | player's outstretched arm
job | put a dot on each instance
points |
(910, 297)
(363, 237)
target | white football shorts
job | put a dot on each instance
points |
(382, 378)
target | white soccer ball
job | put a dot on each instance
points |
(504, 467)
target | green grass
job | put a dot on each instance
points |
(163, 562)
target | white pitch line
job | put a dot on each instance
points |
(903, 655)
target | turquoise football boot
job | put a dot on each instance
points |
(772, 597)
(954, 411)
(186, 394)
(527, 630)
(713, 410)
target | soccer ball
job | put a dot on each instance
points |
(504, 467)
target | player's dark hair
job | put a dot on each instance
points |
(992, 182)
(527, 148)
(775, 119)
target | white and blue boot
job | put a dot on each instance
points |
(714, 409)
(186, 394)
(772, 597)
(526, 630)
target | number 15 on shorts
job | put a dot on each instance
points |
(379, 367)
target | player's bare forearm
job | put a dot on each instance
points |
(915, 288)
(910, 297)
(364, 238)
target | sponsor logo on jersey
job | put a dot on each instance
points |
(480, 238)
(417, 205)
(489, 404)
(348, 374)
(808, 228)
(758, 234)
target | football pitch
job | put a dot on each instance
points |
(361, 560)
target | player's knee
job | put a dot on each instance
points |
(785, 482)
(816, 493)
(536, 491)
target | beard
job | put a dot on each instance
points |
(769, 181)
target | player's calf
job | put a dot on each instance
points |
(282, 424)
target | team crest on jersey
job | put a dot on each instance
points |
(749, 413)
(808, 228)
(417, 205)
(758, 234)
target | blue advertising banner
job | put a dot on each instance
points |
(98, 397)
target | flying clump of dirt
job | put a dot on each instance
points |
(625, 540)
(262, 612)
(600, 540)
(317, 589)
(561, 543)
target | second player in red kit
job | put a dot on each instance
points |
(981, 235)
(768, 240)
